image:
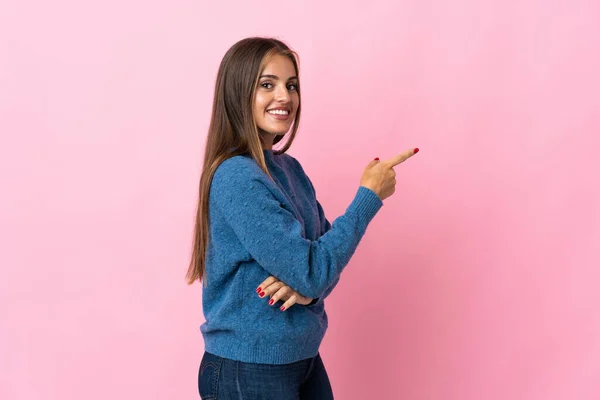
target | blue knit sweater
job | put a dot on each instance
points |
(260, 228)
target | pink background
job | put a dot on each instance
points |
(477, 280)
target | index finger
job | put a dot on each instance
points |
(266, 283)
(400, 158)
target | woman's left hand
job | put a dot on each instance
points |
(278, 290)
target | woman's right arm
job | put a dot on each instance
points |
(273, 236)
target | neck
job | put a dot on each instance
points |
(267, 140)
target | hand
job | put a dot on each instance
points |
(278, 290)
(379, 176)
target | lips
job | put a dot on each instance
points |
(281, 114)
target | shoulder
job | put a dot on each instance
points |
(236, 169)
(237, 175)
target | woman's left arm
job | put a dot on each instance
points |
(279, 290)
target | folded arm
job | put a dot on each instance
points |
(273, 236)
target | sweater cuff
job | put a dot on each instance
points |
(366, 204)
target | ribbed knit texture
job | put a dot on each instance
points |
(260, 228)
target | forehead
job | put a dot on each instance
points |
(281, 66)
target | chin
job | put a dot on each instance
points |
(276, 132)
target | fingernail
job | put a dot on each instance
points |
(258, 290)
(271, 302)
(262, 294)
(416, 150)
(377, 159)
(282, 308)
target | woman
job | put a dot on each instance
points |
(260, 232)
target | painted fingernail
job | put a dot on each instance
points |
(282, 308)
(416, 150)
(271, 302)
(262, 294)
(377, 159)
(258, 290)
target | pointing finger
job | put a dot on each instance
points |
(400, 158)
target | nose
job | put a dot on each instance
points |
(281, 94)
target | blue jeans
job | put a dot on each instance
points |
(224, 379)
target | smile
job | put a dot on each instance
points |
(278, 112)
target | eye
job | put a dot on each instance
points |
(266, 85)
(293, 86)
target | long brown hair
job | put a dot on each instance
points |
(233, 130)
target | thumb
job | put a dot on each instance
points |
(373, 163)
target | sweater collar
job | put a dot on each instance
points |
(269, 156)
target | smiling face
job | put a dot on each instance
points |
(276, 99)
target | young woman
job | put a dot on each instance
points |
(261, 233)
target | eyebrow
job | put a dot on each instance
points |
(276, 77)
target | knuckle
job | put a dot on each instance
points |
(268, 282)
(281, 296)
(268, 289)
(281, 291)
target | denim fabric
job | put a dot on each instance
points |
(224, 379)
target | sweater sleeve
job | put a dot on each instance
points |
(273, 236)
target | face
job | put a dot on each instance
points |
(276, 100)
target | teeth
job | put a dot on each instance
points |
(278, 112)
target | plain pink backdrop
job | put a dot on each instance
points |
(477, 280)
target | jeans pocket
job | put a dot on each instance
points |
(208, 376)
